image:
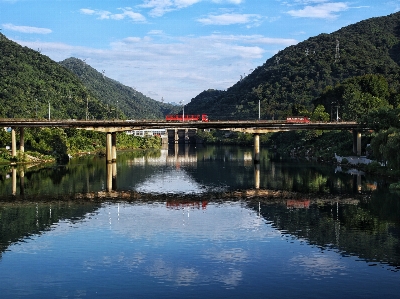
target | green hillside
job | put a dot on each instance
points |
(113, 94)
(297, 75)
(30, 81)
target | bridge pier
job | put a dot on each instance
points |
(108, 147)
(172, 135)
(185, 135)
(13, 143)
(114, 146)
(111, 147)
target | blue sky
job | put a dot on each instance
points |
(175, 49)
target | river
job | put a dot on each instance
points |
(195, 222)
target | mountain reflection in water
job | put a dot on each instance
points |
(197, 223)
(180, 249)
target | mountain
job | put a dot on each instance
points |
(297, 75)
(114, 95)
(31, 82)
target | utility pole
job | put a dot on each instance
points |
(49, 110)
(259, 109)
(183, 110)
(87, 108)
(337, 54)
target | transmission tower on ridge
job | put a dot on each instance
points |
(337, 54)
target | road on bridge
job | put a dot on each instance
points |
(251, 126)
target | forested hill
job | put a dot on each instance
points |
(30, 82)
(134, 104)
(297, 75)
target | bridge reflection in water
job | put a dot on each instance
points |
(171, 155)
(184, 155)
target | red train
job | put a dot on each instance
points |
(187, 117)
(297, 119)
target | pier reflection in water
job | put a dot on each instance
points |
(111, 176)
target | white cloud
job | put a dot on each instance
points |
(133, 39)
(324, 10)
(87, 11)
(229, 1)
(160, 7)
(230, 19)
(176, 69)
(26, 29)
(273, 41)
(105, 15)
(155, 32)
(255, 39)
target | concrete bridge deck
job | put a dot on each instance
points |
(125, 125)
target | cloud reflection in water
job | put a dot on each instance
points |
(171, 181)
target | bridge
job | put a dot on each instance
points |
(111, 127)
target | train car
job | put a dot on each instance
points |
(187, 117)
(297, 119)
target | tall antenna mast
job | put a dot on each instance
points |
(337, 54)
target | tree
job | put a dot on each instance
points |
(385, 146)
(358, 104)
(319, 114)
(382, 119)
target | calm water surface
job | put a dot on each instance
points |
(188, 235)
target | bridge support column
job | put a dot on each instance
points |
(114, 146)
(256, 148)
(109, 148)
(13, 143)
(357, 142)
(21, 140)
